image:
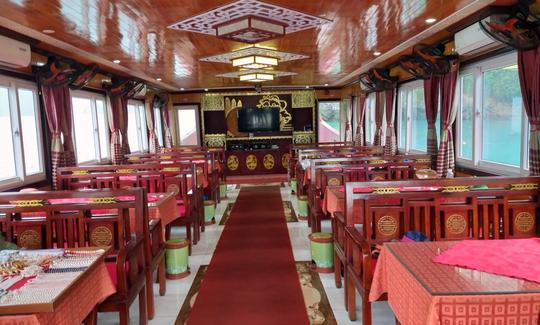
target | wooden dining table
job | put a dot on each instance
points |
(421, 291)
(73, 300)
(334, 199)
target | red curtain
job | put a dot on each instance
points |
(445, 157)
(348, 125)
(57, 101)
(153, 143)
(379, 113)
(529, 79)
(116, 111)
(124, 125)
(390, 145)
(361, 110)
(166, 124)
(431, 100)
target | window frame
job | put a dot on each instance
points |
(179, 107)
(409, 88)
(142, 128)
(93, 110)
(17, 137)
(477, 163)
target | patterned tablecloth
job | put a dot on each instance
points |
(82, 297)
(423, 292)
(164, 208)
(334, 200)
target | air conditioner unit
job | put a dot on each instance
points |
(473, 40)
(14, 54)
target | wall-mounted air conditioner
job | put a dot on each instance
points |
(14, 54)
(472, 40)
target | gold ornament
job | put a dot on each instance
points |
(251, 162)
(268, 161)
(285, 160)
(273, 101)
(232, 162)
(303, 99)
(213, 102)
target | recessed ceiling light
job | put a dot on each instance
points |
(48, 31)
(158, 79)
(326, 85)
(431, 20)
(182, 89)
(307, 87)
(376, 53)
(116, 61)
(205, 89)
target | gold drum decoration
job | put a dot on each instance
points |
(524, 222)
(387, 225)
(268, 161)
(456, 224)
(232, 162)
(251, 162)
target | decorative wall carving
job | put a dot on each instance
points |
(303, 137)
(215, 140)
(213, 102)
(274, 101)
(303, 99)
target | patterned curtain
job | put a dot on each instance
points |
(58, 111)
(115, 112)
(445, 157)
(390, 144)
(379, 114)
(529, 79)
(348, 125)
(166, 122)
(153, 143)
(123, 102)
(361, 109)
(431, 100)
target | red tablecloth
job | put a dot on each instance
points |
(91, 291)
(423, 292)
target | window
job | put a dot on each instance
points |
(329, 121)
(492, 127)
(137, 130)
(90, 127)
(403, 120)
(158, 125)
(187, 125)
(21, 161)
(370, 118)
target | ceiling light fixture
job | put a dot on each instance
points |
(431, 20)
(326, 85)
(257, 77)
(205, 89)
(307, 87)
(376, 53)
(254, 62)
(48, 31)
(250, 29)
(158, 79)
(182, 89)
(116, 61)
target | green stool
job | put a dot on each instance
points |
(322, 252)
(293, 185)
(209, 212)
(222, 190)
(176, 258)
(303, 207)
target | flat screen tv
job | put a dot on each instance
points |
(252, 120)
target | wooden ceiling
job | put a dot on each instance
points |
(135, 32)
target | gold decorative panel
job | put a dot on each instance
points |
(456, 224)
(215, 140)
(303, 99)
(303, 137)
(268, 161)
(213, 102)
(232, 162)
(274, 101)
(251, 162)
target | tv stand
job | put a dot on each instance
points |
(257, 156)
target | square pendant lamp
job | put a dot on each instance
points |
(250, 29)
(257, 77)
(254, 62)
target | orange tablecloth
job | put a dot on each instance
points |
(165, 208)
(334, 200)
(423, 292)
(79, 302)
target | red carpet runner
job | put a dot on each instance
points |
(252, 277)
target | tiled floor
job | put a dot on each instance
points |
(168, 306)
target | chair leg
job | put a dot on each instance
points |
(366, 308)
(161, 278)
(351, 299)
(124, 314)
(337, 270)
(149, 294)
(143, 317)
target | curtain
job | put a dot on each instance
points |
(390, 143)
(361, 111)
(348, 125)
(115, 112)
(529, 79)
(57, 102)
(123, 102)
(153, 143)
(379, 114)
(445, 157)
(166, 124)
(431, 100)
